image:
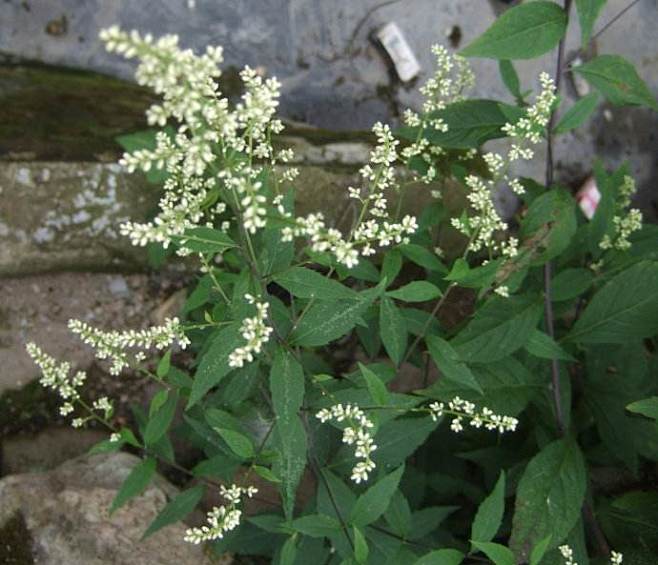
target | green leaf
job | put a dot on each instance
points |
(510, 78)
(317, 525)
(577, 115)
(239, 443)
(588, 11)
(376, 386)
(393, 330)
(160, 420)
(570, 283)
(499, 554)
(417, 291)
(205, 240)
(287, 389)
(625, 309)
(470, 124)
(539, 550)
(616, 78)
(179, 507)
(398, 515)
(489, 515)
(266, 473)
(552, 218)
(288, 552)
(214, 364)
(508, 386)
(647, 407)
(135, 483)
(391, 265)
(145, 139)
(327, 321)
(360, 546)
(449, 363)
(498, 329)
(164, 365)
(523, 32)
(374, 502)
(441, 557)
(306, 283)
(543, 346)
(549, 496)
(422, 257)
(478, 277)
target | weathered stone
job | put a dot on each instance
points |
(38, 309)
(60, 216)
(66, 513)
(27, 453)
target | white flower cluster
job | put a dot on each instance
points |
(463, 409)
(356, 433)
(221, 519)
(616, 558)
(211, 136)
(57, 376)
(255, 331)
(379, 176)
(624, 222)
(114, 345)
(484, 223)
(453, 76)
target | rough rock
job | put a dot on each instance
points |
(38, 308)
(65, 512)
(59, 216)
(26, 453)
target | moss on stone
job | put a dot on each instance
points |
(15, 542)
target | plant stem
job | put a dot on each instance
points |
(587, 510)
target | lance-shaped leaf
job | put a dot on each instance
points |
(449, 363)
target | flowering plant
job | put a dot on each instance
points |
(516, 399)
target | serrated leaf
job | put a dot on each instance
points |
(449, 363)
(374, 502)
(588, 11)
(317, 525)
(306, 283)
(616, 78)
(522, 32)
(287, 389)
(544, 346)
(423, 257)
(160, 420)
(549, 496)
(552, 218)
(179, 507)
(376, 386)
(625, 309)
(539, 550)
(441, 557)
(326, 321)
(498, 329)
(499, 554)
(510, 78)
(205, 240)
(490, 514)
(577, 115)
(214, 363)
(239, 443)
(570, 283)
(360, 546)
(647, 407)
(416, 291)
(135, 483)
(392, 329)
(164, 365)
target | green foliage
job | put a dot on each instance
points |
(617, 80)
(523, 32)
(419, 406)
